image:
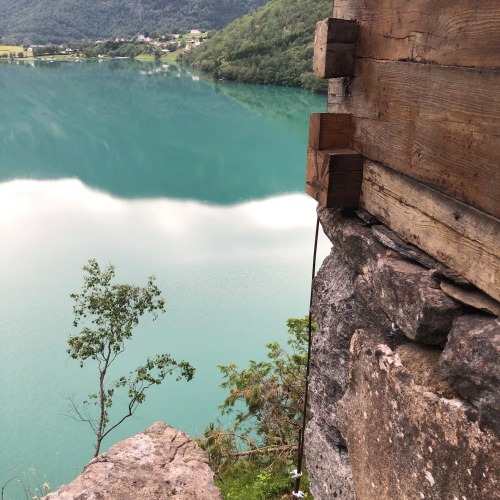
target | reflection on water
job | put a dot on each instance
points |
(157, 171)
(138, 130)
(231, 277)
(287, 107)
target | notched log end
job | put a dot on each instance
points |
(334, 177)
(335, 48)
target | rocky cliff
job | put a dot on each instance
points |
(405, 380)
(160, 462)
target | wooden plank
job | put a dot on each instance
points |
(348, 197)
(329, 130)
(462, 238)
(340, 95)
(334, 48)
(439, 125)
(450, 32)
(318, 193)
(333, 177)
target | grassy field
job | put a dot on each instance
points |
(58, 57)
(10, 48)
(168, 57)
(187, 36)
(145, 57)
(171, 56)
(7, 49)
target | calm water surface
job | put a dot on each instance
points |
(159, 172)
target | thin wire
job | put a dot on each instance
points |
(306, 391)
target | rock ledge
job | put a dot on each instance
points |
(160, 462)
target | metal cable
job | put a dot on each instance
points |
(298, 472)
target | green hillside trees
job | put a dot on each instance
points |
(272, 45)
(58, 21)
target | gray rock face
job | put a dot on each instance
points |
(471, 364)
(406, 441)
(339, 311)
(160, 462)
(398, 304)
(338, 318)
(407, 294)
(401, 290)
(474, 298)
(330, 472)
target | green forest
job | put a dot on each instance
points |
(272, 45)
(58, 21)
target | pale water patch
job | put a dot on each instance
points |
(231, 276)
(158, 172)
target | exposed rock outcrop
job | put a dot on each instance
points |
(404, 439)
(386, 423)
(158, 463)
(470, 362)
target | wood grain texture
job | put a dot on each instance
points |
(333, 177)
(348, 197)
(340, 95)
(329, 130)
(440, 125)
(464, 239)
(450, 32)
(334, 48)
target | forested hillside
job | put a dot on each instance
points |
(272, 45)
(56, 21)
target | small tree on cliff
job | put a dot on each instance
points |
(251, 457)
(107, 313)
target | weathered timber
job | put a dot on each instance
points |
(335, 48)
(451, 32)
(391, 240)
(329, 130)
(457, 235)
(440, 125)
(333, 177)
(340, 95)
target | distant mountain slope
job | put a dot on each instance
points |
(61, 20)
(272, 45)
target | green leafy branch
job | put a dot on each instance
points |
(108, 313)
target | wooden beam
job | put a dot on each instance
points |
(329, 130)
(440, 125)
(335, 48)
(340, 95)
(334, 177)
(462, 238)
(449, 32)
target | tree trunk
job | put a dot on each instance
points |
(100, 428)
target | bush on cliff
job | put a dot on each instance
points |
(253, 458)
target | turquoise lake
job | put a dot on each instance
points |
(158, 171)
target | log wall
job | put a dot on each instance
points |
(425, 114)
